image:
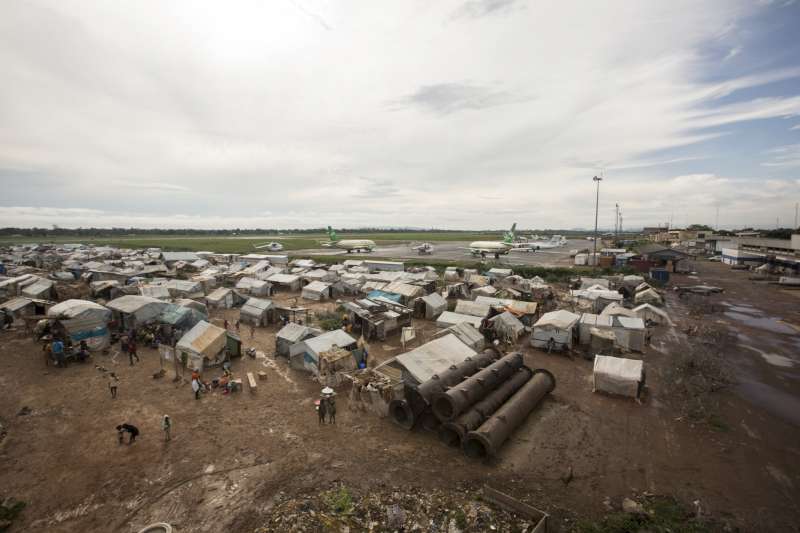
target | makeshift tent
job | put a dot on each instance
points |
(180, 317)
(184, 288)
(430, 306)
(407, 292)
(602, 340)
(554, 330)
(291, 334)
(616, 375)
(466, 333)
(434, 357)
(506, 327)
(136, 310)
(589, 321)
(41, 289)
(468, 307)
(202, 345)
(287, 281)
(159, 292)
(224, 298)
(652, 314)
(21, 307)
(449, 318)
(316, 290)
(630, 333)
(648, 296)
(615, 309)
(487, 290)
(305, 354)
(83, 320)
(254, 287)
(257, 311)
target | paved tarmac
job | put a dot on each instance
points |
(458, 251)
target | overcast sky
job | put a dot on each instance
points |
(457, 115)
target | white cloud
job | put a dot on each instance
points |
(456, 114)
(783, 156)
(733, 52)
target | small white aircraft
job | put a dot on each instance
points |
(351, 245)
(495, 248)
(425, 248)
(270, 246)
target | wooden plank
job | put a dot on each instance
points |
(251, 381)
(516, 506)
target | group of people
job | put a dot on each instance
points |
(133, 431)
(58, 350)
(327, 407)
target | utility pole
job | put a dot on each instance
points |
(616, 223)
(596, 208)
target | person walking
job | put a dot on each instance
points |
(132, 430)
(331, 410)
(237, 324)
(58, 351)
(166, 425)
(113, 382)
(322, 409)
(47, 350)
(252, 329)
(132, 351)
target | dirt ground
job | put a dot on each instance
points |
(231, 455)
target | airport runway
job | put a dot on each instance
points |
(457, 251)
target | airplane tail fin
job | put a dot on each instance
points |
(331, 234)
(510, 235)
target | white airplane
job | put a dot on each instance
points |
(556, 241)
(357, 245)
(425, 248)
(270, 246)
(495, 248)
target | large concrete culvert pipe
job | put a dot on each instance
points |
(401, 414)
(486, 441)
(451, 403)
(453, 433)
(406, 413)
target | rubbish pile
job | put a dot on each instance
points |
(385, 509)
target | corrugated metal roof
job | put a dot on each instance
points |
(316, 286)
(293, 332)
(434, 357)
(449, 318)
(325, 341)
(468, 307)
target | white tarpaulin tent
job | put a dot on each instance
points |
(141, 308)
(615, 309)
(653, 314)
(630, 333)
(616, 375)
(83, 320)
(554, 328)
(449, 318)
(468, 307)
(589, 321)
(434, 357)
(203, 341)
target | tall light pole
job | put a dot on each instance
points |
(596, 207)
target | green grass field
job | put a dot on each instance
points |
(236, 244)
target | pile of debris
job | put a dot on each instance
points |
(384, 509)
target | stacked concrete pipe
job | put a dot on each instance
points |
(408, 411)
(453, 433)
(449, 404)
(485, 442)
